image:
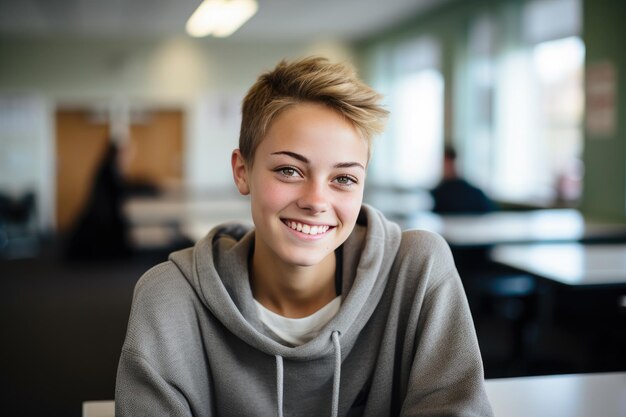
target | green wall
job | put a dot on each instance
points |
(604, 32)
(447, 24)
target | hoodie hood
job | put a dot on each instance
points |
(217, 269)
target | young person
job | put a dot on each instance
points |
(324, 308)
(454, 194)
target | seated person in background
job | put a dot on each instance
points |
(454, 195)
(324, 308)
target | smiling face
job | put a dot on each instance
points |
(305, 185)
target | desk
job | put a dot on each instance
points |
(582, 295)
(567, 263)
(553, 225)
(581, 395)
(151, 211)
(158, 221)
(99, 408)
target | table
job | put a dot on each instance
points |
(155, 222)
(549, 225)
(578, 395)
(581, 293)
(104, 408)
(567, 263)
(581, 395)
(151, 211)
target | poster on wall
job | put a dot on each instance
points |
(601, 100)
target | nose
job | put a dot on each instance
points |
(314, 197)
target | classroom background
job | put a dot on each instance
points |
(116, 129)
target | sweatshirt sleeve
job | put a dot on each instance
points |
(446, 376)
(141, 391)
(162, 369)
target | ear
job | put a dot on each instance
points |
(240, 172)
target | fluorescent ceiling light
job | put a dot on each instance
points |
(220, 18)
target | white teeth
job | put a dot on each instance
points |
(309, 230)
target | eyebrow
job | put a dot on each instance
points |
(304, 159)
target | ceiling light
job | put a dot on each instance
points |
(220, 18)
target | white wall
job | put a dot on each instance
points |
(25, 150)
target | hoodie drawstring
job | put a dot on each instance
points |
(279, 384)
(336, 378)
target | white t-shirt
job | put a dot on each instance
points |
(299, 331)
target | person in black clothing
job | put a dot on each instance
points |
(454, 195)
(101, 231)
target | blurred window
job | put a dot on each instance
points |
(410, 153)
(474, 108)
(521, 102)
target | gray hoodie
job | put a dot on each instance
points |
(402, 343)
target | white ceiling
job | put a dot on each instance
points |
(276, 19)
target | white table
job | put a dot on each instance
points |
(151, 211)
(99, 408)
(581, 395)
(550, 225)
(157, 221)
(593, 277)
(567, 263)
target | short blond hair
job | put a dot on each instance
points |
(309, 80)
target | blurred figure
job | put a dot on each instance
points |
(101, 231)
(454, 195)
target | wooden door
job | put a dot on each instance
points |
(155, 155)
(156, 148)
(80, 144)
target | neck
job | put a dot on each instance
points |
(293, 291)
